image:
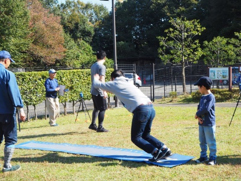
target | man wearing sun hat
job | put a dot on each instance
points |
(10, 100)
(52, 101)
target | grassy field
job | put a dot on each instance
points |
(175, 126)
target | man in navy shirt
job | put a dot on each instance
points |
(52, 101)
(10, 99)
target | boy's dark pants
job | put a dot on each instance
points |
(141, 128)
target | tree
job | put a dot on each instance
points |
(180, 45)
(49, 4)
(14, 20)
(236, 42)
(79, 54)
(218, 52)
(75, 23)
(220, 17)
(47, 35)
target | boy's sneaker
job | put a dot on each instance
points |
(12, 169)
(201, 160)
(161, 153)
(54, 124)
(93, 127)
(102, 130)
(212, 161)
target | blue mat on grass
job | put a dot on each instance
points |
(106, 152)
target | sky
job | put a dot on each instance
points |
(107, 4)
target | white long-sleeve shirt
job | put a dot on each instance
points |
(126, 92)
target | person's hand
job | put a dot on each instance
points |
(105, 95)
(22, 116)
(96, 76)
(196, 116)
(200, 121)
(57, 89)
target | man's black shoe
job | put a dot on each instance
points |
(165, 152)
(93, 127)
(102, 130)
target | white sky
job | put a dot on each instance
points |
(107, 4)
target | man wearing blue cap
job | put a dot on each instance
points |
(10, 99)
(52, 101)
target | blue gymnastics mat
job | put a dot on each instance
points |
(106, 152)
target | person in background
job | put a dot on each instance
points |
(10, 100)
(52, 100)
(98, 96)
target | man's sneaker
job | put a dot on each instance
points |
(12, 169)
(161, 154)
(93, 127)
(201, 160)
(102, 130)
(54, 124)
(212, 161)
(169, 153)
(165, 152)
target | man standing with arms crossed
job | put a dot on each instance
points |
(52, 100)
(98, 96)
(10, 99)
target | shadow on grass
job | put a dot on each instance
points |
(229, 159)
(223, 160)
(49, 135)
(56, 158)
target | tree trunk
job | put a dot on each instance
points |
(35, 112)
(183, 76)
(65, 108)
(73, 107)
(27, 113)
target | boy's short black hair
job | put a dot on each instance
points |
(100, 54)
(116, 73)
(204, 81)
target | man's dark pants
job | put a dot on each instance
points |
(8, 128)
(141, 129)
(99, 109)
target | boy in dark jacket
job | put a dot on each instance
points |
(206, 120)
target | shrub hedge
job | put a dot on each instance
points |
(220, 94)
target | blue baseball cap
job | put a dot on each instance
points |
(4, 54)
(204, 81)
(52, 71)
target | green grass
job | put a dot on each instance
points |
(175, 126)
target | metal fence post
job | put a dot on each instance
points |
(175, 84)
(171, 80)
(164, 87)
(153, 82)
(45, 108)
